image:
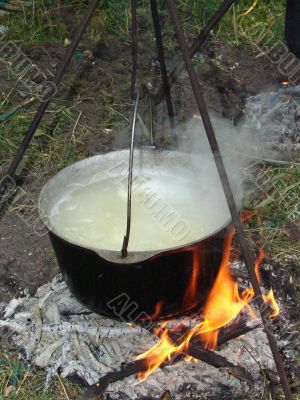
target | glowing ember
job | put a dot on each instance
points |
(223, 305)
(261, 256)
(157, 311)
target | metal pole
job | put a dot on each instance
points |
(197, 44)
(249, 260)
(162, 62)
(10, 174)
(133, 48)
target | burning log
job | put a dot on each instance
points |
(166, 395)
(226, 336)
(95, 392)
(215, 360)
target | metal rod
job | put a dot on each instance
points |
(196, 46)
(134, 48)
(162, 61)
(4, 184)
(151, 133)
(248, 257)
(124, 251)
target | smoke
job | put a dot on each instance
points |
(261, 136)
(238, 146)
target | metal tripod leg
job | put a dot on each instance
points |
(10, 174)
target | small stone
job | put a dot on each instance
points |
(89, 55)
(292, 231)
(3, 29)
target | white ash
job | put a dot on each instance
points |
(275, 117)
(54, 332)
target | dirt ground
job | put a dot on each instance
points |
(228, 75)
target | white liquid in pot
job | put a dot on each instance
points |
(167, 211)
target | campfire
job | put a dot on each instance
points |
(223, 307)
(227, 309)
(228, 318)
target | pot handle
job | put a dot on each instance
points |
(148, 133)
(124, 250)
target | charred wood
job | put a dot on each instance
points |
(95, 392)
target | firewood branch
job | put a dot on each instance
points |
(95, 392)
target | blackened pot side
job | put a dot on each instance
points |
(133, 291)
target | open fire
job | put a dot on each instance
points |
(225, 303)
(184, 339)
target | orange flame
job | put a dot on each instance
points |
(270, 299)
(223, 305)
(191, 292)
(248, 215)
(158, 354)
(261, 256)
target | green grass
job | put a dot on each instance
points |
(51, 149)
(277, 204)
(40, 23)
(23, 383)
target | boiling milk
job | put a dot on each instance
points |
(167, 211)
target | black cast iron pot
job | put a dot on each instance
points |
(135, 287)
